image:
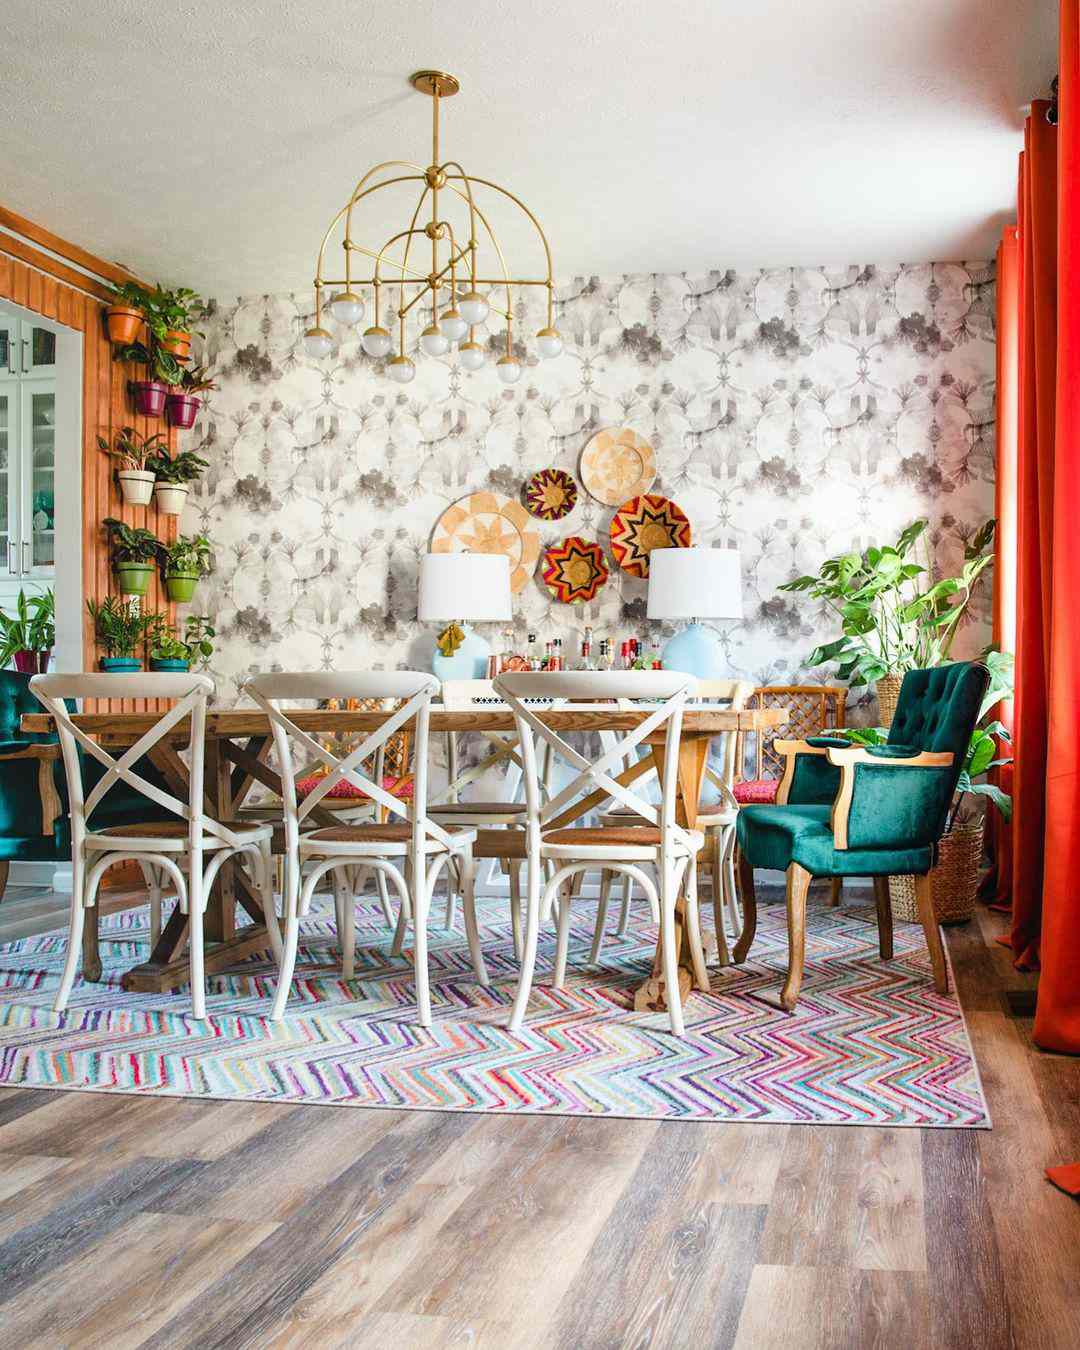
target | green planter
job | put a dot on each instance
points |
(180, 586)
(134, 578)
(120, 665)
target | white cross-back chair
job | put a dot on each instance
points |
(409, 835)
(654, 837)
(189, 851)
(716, 821)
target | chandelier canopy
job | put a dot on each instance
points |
(454, 296)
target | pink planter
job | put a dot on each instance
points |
(181, 410)
(32, 663)
(149, 396)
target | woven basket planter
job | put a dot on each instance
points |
(888, 691)
(954, 877)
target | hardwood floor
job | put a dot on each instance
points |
(129, 1222)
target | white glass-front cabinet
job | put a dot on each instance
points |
(27, 457)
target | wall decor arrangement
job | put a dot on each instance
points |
(645, 523)
(793, 413)
(574, 570)
(551, 494)
(617, 464)
(489, 522)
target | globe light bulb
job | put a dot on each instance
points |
(453, 326)
(318, 343)
(549, 342)
(509, 369)
(376, 341)
(401, 369)
(432, 341)
(474, 308)
(471, 355)
(347, 307)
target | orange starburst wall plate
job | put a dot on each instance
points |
(574, 570)
(645, 523)
(488, 522)
(551, 494)
(616, 464)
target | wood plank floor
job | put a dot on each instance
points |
(128, 1222)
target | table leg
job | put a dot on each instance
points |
(91, 955)
(693, 758)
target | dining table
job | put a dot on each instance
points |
(238, 745)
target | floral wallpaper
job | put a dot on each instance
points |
(793, 413)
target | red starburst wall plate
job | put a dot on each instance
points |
(550, 494)
(574, 570)
(645, 523)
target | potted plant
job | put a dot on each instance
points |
(177, 311)
(28, 637)
(126, 315)
(174, 473)
(134, 553)
(891, 621)
(119, 627)
(181, 403)
(133, 451)
(162, 370)
(168, 651)
(185, 561)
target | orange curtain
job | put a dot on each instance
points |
(1057, 1016)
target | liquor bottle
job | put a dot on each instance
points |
(532, 652)
(587, 662)
(624, 655)
(654, 657)
(549, 656)
(606, 661)
(494, 661)
(558, 655)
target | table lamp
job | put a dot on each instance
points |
(458, 589)
(693, 583)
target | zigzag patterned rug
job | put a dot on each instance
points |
(871, 1043)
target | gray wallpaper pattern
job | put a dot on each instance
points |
(794, 413)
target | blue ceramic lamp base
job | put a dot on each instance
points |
(697, 650)
(469, 662)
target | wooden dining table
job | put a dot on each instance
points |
(238, 746)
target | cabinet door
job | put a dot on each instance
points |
(9, 479)
(37, 349)
(37, 497)
(10, 351)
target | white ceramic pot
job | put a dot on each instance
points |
(169, 498)
(136, 486)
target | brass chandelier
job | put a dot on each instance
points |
(454, 281)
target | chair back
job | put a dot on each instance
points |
(938, 710)
(188, 695)
(412, 691)
(667, 689)
(813, 708)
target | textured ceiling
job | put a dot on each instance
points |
(209, 143)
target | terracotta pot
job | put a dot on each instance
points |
(181, 409)
(134, 578)
(123, 323)
(180, 586)
(136, 486)
(149, 396)
(32, 663)
(169, 498)
(178, 343)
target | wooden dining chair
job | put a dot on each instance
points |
(654, 837)
(408, 836)
(189, 851)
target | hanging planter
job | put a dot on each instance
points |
(134, 453)
(175, 474)
(119, 627)
(169, 498)
(136, 486)
(133, 578)
(32, 663)
(148, 396)
(120, 665)
(186, 560)
(134, 553)
(177, 343)
(180, 586)
(123, 322)
(181, 410)
(168, 663)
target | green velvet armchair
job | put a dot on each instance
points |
(872, 811)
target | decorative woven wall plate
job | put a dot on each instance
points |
(643, 524)
(574, 570)
(488, 522)
(551, 494)
(617, 464)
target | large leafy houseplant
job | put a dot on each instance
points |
(130, 305)
(28, 636)
(134, 552)
(133, 451)
(893, 616)
(185, 561)
(119, 627)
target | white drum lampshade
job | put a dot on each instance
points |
(693, 583)
(464, 588)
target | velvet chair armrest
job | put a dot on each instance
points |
(912, 795)
(47, 753)
(809, 775)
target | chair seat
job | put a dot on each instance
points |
(169, 836)
(615, 842)
(756, 791)
(477, 810)
(376, 839)
(776, 836)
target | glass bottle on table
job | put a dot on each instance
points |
(532, 652)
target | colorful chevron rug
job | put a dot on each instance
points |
(871, 1043)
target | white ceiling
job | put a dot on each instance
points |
(208, 142)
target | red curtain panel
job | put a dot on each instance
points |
(1057, 1017)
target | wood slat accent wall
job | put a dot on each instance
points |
(106, 407)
